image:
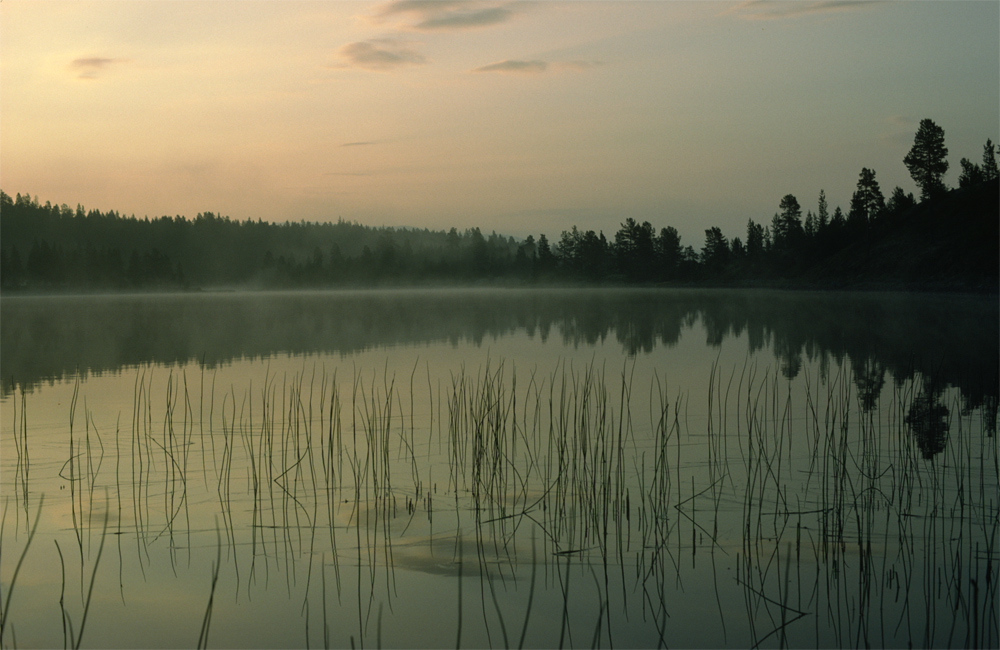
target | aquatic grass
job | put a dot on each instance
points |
(93, 577)
(5, 609)
(207, 619)
(23, 467)
(829, 512)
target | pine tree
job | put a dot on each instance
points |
(972, 174)
(810, 225)
(990, 171)
(867, 204)
(822, 216)
(755, 239)
(715, 253)
(899, 201)
(787, 226)
(927, 160)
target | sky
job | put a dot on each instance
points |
(515, 117)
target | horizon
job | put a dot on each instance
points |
(515, 118)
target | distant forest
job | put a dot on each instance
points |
(947, 239)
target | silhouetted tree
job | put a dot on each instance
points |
(715, 253)
(927, 160)
(822, 214)
(526, 257)
(899, 201)
(634, 249)
(529, 248)
(753, 258)
(990, 171)
(584, 254)
(546, 260)
(594, 255)
(567, 245)
(688, 267)
(738, 250)
(867, 203)
(668, 252)
(972, 174)
(837, 235)
(755, 240)
(786, 230)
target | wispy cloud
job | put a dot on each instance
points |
(380, 55)
(358, 144)
(467, 19)
(515, 67)
(439, 15)
(420, 6)
(579, 65)
(769, 10)
(91, 67)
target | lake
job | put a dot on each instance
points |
(500, 468)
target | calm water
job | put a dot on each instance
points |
(631, 468)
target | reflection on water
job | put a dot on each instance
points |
(500, 468)
(952, 339)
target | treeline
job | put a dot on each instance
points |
(44, 246)
(49, 246)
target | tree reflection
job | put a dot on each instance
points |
(928, 421)
(869, 378)
(878, 335)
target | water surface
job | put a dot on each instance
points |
(500, 467)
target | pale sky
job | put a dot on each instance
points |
(518, 117)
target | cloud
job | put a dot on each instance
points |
(580, 65)
(767, 10)
(90, 67)
(439, 15)
(420, 6)
(515, 67)
(512, 66)
(467, 19)
(379, 55)
(358, 144)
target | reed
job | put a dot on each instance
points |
(5, 609)
(808, 500)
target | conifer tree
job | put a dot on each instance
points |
(787, 226)
(823, 215)
(867, 203)
(990, 171)
(927, 160)
(755, 239)
(810, 225)
(899, 201)
(972, 174)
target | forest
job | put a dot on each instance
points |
(945, 239)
